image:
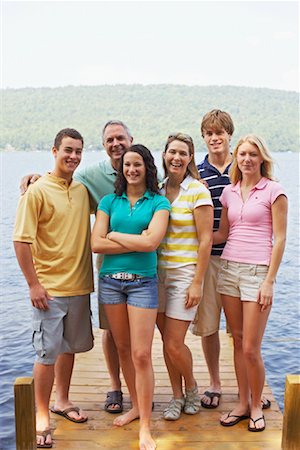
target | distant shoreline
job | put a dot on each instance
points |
(32, 117)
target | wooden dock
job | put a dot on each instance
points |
(90, 383)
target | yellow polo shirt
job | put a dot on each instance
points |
(54, 217)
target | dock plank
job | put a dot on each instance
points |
(90, 383)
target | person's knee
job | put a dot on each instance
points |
(141, 357)
(237, 339)
(124, 351)
(107, 338)
(251, 353)
(173, 348)
(212, 338)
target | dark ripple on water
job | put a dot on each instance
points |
(282, 337)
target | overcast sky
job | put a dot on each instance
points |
(47, 43)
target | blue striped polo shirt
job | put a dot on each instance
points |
(216, 182)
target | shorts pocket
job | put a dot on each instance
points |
(37, 338)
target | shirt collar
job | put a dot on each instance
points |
(109, 170)
(147, 194)
(260, 185)
(58, 180)
(207, 165)
(184, 184)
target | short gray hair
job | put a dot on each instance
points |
(116, 122)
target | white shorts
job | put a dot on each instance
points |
(172, 288)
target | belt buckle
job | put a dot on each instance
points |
(129, 276)
(123, 276)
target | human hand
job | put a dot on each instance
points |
(194, 295)
(265, 295)
(39, 297)
(27, 180)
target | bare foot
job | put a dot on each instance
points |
(126, 418)
(146, 441)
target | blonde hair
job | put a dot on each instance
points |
(266, 168)
(191, 168)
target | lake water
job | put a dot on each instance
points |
(282, 337)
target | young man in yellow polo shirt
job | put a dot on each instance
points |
(52, 244)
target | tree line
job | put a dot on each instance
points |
(32, 116)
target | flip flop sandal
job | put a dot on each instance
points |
(114, 398)
(211, 395)
(265, 403)
(256, 430)
(44, 434)
(234, 422)
(65, 413)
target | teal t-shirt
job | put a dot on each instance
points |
(132, 220)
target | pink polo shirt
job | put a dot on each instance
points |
(250, 222)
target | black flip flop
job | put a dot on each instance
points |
(234, 422)
(254, 429)
(211, 395)
(265, 403)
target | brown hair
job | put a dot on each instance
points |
(151, 170)
(191, 168)
(217, 119)
(66, 132)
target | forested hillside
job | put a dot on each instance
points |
(31, 117)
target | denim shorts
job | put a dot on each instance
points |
(241, 280)
(141, 292)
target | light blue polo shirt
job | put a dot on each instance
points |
(132, 220)
(98, 179)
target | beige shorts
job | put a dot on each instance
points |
(207, 318)
(241, 279)
(172, 287)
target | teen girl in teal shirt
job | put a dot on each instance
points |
(129, 227)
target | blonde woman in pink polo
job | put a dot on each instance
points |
(254, 215)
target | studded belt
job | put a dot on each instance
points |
(124, 276)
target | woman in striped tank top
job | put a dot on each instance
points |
(183, 257)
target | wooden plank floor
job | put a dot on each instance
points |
(90, 383)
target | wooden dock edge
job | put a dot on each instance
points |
(25, 414)
(291, 415)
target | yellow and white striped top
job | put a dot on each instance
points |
(179, 247)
